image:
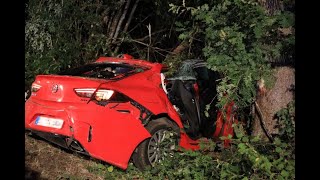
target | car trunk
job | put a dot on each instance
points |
(61, 88)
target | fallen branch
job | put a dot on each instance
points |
(262, 119)
(156, 32)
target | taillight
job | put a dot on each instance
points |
(35, 87)
(101, 94)
(163, 83)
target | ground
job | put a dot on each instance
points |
(46, 161)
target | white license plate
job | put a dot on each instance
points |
(49, 122)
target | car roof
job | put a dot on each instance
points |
(127, 60)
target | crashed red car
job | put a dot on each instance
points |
(117, 109)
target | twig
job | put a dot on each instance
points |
(139, 23)
(142, 43)
(160, 53)
(149, 30)
(156, 32)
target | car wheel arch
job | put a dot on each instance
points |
(158, 122)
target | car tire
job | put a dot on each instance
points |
(149, 152)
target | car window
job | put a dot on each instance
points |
(103, 70)
(201, 73)
(184, 72)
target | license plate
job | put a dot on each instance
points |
(49, 122)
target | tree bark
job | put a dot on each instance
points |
(271, 5)
(273, 100)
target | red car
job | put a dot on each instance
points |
(117, 109)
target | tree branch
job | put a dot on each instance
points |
(110, 22)
(115, 21)
(145, 37)
(121, 20)
(142, 43)
(130, 16)
(139, 23)
(262, 119)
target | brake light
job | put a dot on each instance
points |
(101, 94)
(163, 83)
(35, 87)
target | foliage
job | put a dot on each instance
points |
(239, 39)
(236, 37)
(247, 158)
(61, 34)
(286, 122)
(65, 34)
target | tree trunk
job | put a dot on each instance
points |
(123, 16)
(115, 21)
(131, 15)
(271, 5)
(125, 29)
(271, 101)
(177, 50)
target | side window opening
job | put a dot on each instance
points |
(202, 73)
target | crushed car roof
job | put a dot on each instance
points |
(128, 61)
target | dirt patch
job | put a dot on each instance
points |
(47, 161)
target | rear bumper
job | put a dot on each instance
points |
(60, 140)
(109, 133)
(34, 109)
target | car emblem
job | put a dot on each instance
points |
(55, 88)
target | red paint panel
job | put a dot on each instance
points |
(115, 135)
(224, 124)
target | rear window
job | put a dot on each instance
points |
(104, 70)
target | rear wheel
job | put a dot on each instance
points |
(163, 141)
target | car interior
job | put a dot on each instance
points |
(190, 90)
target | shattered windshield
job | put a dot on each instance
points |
(186, 70)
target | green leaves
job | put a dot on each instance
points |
(278, 150)
(238, 36)
(258, 31)
(284, 173)
(286, 19)
(286, 122)
(110, 168)
(247, 158)
(183, 36)
(58, 34)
